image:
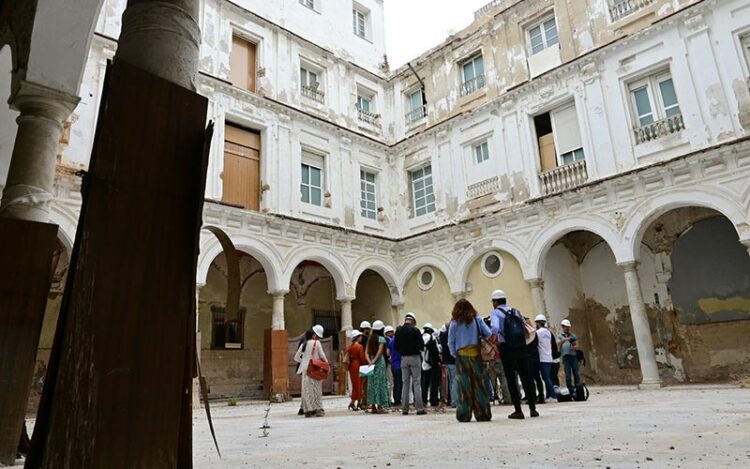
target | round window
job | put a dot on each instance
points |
(492, 264)
(425, 278)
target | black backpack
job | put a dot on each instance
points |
(514, 330)
(582, 393)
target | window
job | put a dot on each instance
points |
(359, 22)
(309, 85)
(473, 75)
(619, 9)
(416, 105)
(745, 42)
(423, 196)
(425, 278)
(559, 137)
(543, 35)
(363, 104)
(242, 69)
(308, 3)
(366, 109)
(481, 152)
(656, 110)
(367, 194)
(311, 187)
(492, 264)
(226, 334)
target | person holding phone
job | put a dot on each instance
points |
(567, 343)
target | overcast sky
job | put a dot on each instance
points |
(414, 26)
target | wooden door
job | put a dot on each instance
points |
(547, 153)
(242, 64)
(295, 380)
(241, 175)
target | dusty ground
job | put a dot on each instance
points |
(702, 427)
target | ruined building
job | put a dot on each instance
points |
(590, 157)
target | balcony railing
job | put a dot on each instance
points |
(563, 178)
(416, 115)
(473, 85)
(619, 9)
(658, 129)
(367, 117)
(313, 93)
(490, 6)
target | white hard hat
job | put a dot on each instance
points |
(428, 326)
(540, 318)
(411, 316)
(355, 334)
(498, 295)
(318, 330)
(388, 329)
(565, 323)
(365, 325)
(378, 326)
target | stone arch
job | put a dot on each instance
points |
(263, 252)
(67, 223)
(599, 226)
(385, 269)
(335, 265)
(436, 262)
(649, 210)
(480, 248)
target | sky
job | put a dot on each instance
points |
(414, 26)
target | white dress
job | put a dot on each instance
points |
(312, 390)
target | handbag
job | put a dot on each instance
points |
(365, 371)
(317, 369)
(487, 349)
(345, 357)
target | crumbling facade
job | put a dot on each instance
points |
(589, 157)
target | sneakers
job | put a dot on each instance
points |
(534, 413)
(518, 415)
(320, 413)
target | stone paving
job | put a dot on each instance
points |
(675, 427)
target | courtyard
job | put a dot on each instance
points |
(618, 427)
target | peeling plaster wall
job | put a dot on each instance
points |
(510, 280)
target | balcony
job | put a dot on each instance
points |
(312, 92)
(619, 9)
(367, 117)
(564, 177)
(658, 129)
(473, 85)
(416, 115)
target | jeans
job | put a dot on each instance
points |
(411, 374)
(452, 383)
(547, 376)
(397, 386)
(570, 362)
(516, 365)
(536, 376)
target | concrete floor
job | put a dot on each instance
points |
(701, 427)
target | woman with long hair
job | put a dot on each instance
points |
(464, 336)
(312, 389)
(357, 358)
(377, 384)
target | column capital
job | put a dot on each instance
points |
(35, 100)
(535, 282)
(346, 299)
(278, 293)
(628, 266)
(459, 295)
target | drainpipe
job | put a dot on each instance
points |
(421, 82)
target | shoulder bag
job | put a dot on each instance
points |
(317, 369)
(488, 349)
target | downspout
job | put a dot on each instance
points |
(419, 79)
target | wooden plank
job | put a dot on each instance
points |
(241, 174)
(27, 249)
(115, 398)
(547, 154)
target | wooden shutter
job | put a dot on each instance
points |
(566, 129)
(241, 175)
(547, 154)
(242, 64)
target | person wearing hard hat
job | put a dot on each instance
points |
(508, 324)
(430, 366)
(312, 389)
(389, 332)
(545, 354)
(395, 359)
(366, 329)
(357, 358)
(567, 342)
(409, 344)
(377, 383)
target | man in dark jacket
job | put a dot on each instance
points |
(409, 344)
(430, 366)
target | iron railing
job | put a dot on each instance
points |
(619, 9)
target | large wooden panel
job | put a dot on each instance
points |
(241, 175)
(242, 64)
(26, 252)
(115, 391)
(547, 154)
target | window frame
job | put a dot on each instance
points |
(543, 34)
(476, 151)
(357, 15)
(484, 267)
(477, 80)
(744, 39)
(420, 273)
(427, 207)
(652, 84)
(216, 309)
(312, 160)
(308, 3)
(364, 185)
(412, 109)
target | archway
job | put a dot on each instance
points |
(427, 293)
(702, 276)
(373, 300)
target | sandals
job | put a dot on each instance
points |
(353, 408)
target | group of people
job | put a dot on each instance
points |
(468, 363)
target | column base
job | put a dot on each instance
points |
(650, 385)
(276, 366)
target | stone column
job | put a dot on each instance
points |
(459, 295)
(346, 313)
(277, 318)
(397, 311)
(31, 175)
(537, 295)
(162, 37)
(643, 340)
(196, 381)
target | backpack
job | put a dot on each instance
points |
(582, 393)
(514, 329)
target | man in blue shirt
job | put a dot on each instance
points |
(512, 352)
(567, 342)
(395, 365)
